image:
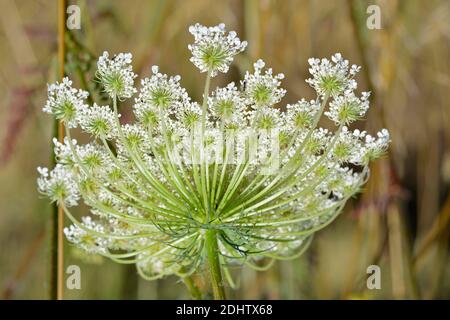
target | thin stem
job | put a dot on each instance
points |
(263, 197)
(212, 252)
(205, 102)
(57, 255)
(256, 183)
(216, 165)
(145, 205)
(203, 172)
(170, 171)
(224, 171)
(159, 187)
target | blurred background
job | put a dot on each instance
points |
(402, 220)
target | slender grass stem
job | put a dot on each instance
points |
(57, 223)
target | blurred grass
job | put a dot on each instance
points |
(401, 222)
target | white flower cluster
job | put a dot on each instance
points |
(97, 120)
(228, 105)
(263, 89)
(116, 75)
(261, 178)
(64, 102)
(375, 147)
(301, 114)
(159, 94)
(348, 108)
(332, 77)
(59, 185)
(87, 240)
(214, 49)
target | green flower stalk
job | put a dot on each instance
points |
(230, 180)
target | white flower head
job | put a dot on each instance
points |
(213, 49)
(64, 102)
(93, 158)
(134, 135)
(63, 152)
(189, 114)
(227, 104)
(302, 114)
(98, 121)
(348, 108)
(267, 118)
(116, 75)
(58, 185)
(159, 93)
(256, 179)
(332, 77)
(376, 147)
(80, 236)
(263, 89)
(348, 146)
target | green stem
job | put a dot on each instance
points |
(205, 101)
(204, 181)
(212, 252)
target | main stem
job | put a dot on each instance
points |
(212, 250)
(215, 273)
